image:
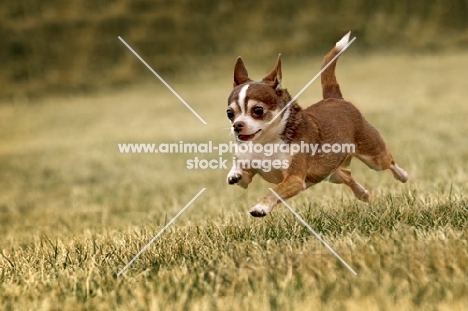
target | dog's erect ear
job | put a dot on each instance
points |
(274, 77)
(240, 73)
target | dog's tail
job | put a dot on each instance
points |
(330, 87)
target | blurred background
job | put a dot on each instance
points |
(73, 210)
(71, 92)
(52, 46)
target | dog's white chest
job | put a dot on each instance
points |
(270, 167)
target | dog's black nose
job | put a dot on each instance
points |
(238, 126)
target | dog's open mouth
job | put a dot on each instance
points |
(247, 137)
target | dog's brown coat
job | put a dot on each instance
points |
(331, 120)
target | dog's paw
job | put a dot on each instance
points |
(260, 210)
(365, 197)
(399, 173)
(234, 177)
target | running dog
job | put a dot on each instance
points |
(255, 110)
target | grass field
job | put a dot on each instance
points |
(74, 211)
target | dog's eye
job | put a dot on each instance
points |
(258, 111)
(230, 113)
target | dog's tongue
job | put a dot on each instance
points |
(246, 137)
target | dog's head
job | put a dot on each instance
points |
(253, 105)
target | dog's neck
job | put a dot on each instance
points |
(293, 120)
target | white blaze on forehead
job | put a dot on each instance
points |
(241, 99)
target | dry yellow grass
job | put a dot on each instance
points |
(73, 211)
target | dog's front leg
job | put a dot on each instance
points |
(239, 176)
(289, 187)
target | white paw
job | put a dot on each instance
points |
(260, 210)
(399, 173)
(234, 176)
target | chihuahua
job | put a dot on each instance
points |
(257, 115)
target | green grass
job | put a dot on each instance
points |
(73, 211)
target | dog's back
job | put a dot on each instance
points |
(339, 120)
(335, 120)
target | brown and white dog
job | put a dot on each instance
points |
(251, 107)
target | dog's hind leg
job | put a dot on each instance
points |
(343, 176)
(383, 162)
(371, 150)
